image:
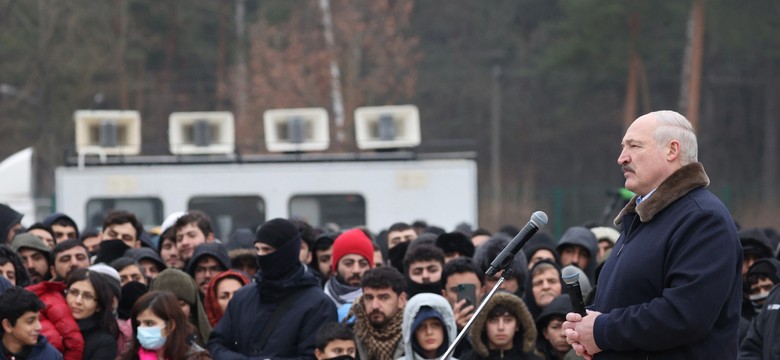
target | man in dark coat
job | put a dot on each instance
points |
(276, 317)
(760, 342)
(672, 286)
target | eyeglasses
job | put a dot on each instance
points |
(85, 296)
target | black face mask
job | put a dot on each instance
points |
(341, 357)
(413, 288)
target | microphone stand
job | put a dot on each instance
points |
(451, 349)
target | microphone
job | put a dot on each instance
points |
(538, 220)
(571, 277)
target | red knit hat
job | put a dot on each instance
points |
(352, 242)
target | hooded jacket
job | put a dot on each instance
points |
(559, 307)
(524, 341)
(57, 322)
(672, 286)
(761, 340)
(236, 336)
(51, 219)
(584, 238)
(210, 303)
(440, 305)
(42, 350)
(8, 218)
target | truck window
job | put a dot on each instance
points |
(346, 210)
(148, 210)
(229, 213)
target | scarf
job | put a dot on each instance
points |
(341, 293)
(380, 343)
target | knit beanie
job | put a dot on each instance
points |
(278, 232)
(8, 218)
(353, 241)
(283, 236)
(30, 241)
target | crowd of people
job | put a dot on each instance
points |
(288, 290)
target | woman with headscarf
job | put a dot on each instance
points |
(183, 286)
(220, 291)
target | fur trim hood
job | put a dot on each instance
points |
(678, 184)
(525, 338)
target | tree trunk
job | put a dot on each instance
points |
(690, 84)
(634, 65)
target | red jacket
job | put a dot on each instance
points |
(57, 321)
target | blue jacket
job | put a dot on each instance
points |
(42, 350)
(672, 286)
(237, 333)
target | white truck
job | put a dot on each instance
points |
(372, 189)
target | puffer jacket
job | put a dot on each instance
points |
(58, 325)
(437, 303)
(524, 341)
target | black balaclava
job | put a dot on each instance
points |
(283, 236)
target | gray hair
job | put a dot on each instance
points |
(673, 126)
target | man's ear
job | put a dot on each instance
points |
(673, 151)
(210, 238)
(318, 354)
(402, 300)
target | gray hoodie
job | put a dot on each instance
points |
(437, 303)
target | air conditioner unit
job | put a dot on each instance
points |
(296, 130)
(109, 132)
(201, 133)
(387, 127)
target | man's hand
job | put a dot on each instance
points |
(579, 333)
(462, 313)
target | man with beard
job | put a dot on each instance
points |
(379, 314)
(67, 256)
(423, 266)
(35, 255)
(353, 255)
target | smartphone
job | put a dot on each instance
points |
(468, 292)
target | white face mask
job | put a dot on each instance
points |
(757, 300)
(150, 337)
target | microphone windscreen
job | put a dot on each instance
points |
(570, 275)
(539, 218)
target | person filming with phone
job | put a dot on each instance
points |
(462, 287)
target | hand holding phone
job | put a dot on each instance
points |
(467, 292)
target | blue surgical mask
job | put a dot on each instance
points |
(150, 337)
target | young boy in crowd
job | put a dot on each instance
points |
(334, 341)
(21, 327)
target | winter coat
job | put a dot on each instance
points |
(57, 322)
(236, 336)
(672, 286)
(524, 341)
(99, 343)
(437, 303)
(761, 339)
(42, 350)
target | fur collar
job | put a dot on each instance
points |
(678, 184)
